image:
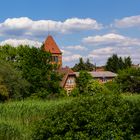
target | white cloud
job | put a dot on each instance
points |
(132, 21)
(71, 58)
(16, 42)
(65, 52)
(24, 26)
(113, 44)
(76, 47)
(111, 39)
(101, 55)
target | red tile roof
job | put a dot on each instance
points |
(51, 46)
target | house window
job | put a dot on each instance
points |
(55, 59)
(104, 79)
(70, 81)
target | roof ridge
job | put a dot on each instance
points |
(51, 46)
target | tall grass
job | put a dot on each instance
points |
(131, 97)
(16, 118)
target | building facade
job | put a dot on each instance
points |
(68, 76)
(51, 46)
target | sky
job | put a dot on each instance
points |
(93, 29)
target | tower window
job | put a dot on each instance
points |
(54, 58)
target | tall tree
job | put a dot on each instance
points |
(34, 65)
(115, 63)
(88, 66)
(37, 69)
(129, 80)
(12, 83)
(128, 62)
(82, 81)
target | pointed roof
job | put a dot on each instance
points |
(51, 46)
(65, 72)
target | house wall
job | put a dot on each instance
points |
(70, 84)
(104, 80)
(59, 63)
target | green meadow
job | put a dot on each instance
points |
(17, 118)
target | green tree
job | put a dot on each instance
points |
(37, 69)
(8, 54)
(94, 87)
(127, 62)
(82, 81)
(88, 66)
(129, 80)
(34, 66)
(115, 63)
(13, 85)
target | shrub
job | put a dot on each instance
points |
(3, 93)
(113, 86)
(95, 87)
(8, 132)
(134, 103)
(99, 117)
(75, 92)
(82, 81)
(129, 80)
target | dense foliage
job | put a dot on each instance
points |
(12, 85)
(88, 66)
(98, 112)
(86, 85)
(26, 71)
(82, 81)
(115, 63)
(98, 117)
(128, 80)
(113, 115)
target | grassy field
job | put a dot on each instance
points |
(16, 118)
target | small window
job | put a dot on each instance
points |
(104, 79)
(55, 58)
(70, 81)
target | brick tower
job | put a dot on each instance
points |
(51, 46)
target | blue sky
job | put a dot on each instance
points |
(92, 29)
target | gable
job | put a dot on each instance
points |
(51, 46)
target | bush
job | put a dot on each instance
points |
(82, 81)
(8, 132)
(3, 93)
(113, 86)
(129, 80)
(95, 87)
(134, 103)
(75, 92)
(99, 117)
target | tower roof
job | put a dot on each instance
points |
(51, 46)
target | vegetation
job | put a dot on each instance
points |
(115, 63)
(12, 85)
(18, 117)
(82, 81)
(102, 116)
(27, 72)
(129, 80)
(97, 111)
(87, 66)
